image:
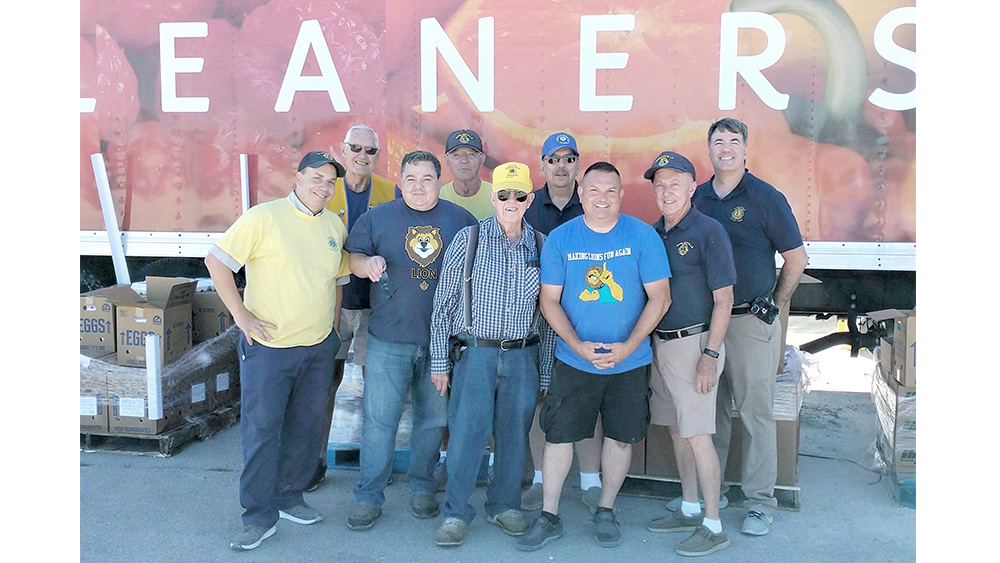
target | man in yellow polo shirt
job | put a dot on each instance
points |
(293, 250)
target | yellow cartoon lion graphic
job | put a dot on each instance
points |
(423, 244)
(602, 285)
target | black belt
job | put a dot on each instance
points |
(741, 310)
(503, 344)
(674, 334)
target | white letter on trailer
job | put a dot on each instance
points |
(731, 64)
(591, 61)
(171, 66)
(895, 54)
(311, 36)
(433, 40)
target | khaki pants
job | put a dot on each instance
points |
(753, 350)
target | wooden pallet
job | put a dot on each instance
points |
(167, 443)
(645, 486)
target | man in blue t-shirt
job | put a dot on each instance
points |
(399, 246)
(605, 285)
(759, 222)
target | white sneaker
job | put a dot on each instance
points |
(757, 523)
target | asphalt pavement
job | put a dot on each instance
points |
(185, 507)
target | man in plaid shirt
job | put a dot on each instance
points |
(495, 376)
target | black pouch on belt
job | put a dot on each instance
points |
(455, 348)
(764, 309)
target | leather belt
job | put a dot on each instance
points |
(740, 310)
(503, 344)
(675, 334)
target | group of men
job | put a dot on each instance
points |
(542, 320)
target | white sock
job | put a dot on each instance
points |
(690, 508)
(538, 477)
(714, 525)
(588, 480)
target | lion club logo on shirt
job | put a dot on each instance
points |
(738, 213)
(684, 247)
(423, 244)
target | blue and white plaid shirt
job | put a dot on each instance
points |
(505, 286)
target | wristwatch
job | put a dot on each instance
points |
(710, 352)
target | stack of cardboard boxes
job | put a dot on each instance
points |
(894, 392)
(119, 393)
(654, 457)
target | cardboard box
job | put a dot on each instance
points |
(97, 318)
(661, 461)
(898, 349)
(885, 354)
(189, 388)
(904, 349)
(224, 388)
(94, 394)
(211, 318)
(896, 409)
(901, 459)
(166, 312)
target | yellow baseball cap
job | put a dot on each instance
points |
(512, 176)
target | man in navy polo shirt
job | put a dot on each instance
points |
(759, 222)
(688, 351)
(557, 201)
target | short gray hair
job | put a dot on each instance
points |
(361, 128)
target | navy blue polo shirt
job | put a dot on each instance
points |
(543, 215)
(759, 222)
(357, 290)
(701, 261)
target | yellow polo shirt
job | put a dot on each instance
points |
(293, 260)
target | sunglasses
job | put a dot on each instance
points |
(504, 195)
(568, 159)
(370, 151)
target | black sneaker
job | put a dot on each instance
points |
(541, 532)
(317, 477)
(606, 528)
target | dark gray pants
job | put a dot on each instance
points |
(282, 419)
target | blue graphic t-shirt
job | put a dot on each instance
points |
(602, 277)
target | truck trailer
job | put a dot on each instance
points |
(193, 110)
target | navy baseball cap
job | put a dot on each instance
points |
(557, 141)
(463, 138)
(671, 160)
(315, 159)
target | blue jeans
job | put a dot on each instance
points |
(392, 371)
(492, 391)
(282, 423)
